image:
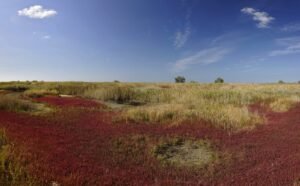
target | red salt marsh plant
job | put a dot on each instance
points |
(69, 102)
(76, 146)
(81, 146)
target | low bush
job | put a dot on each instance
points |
(15, 88)
(219, 80)
(180, 79)
(12, 103)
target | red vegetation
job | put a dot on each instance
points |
(68, 102)
(83, 147)
(3, 92)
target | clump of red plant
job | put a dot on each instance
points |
(83, 147)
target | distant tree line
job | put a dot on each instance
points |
(181, 79)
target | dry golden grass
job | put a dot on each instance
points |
(225, 116)
(223, 105)
(13, 102)
(36, 93)
(11, 171)
(284, 104)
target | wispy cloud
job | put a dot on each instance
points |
(182, 36)
(291, 45)
(206, 56)
(229, 39)
(216, 50)
(263, 18)
(37, 12)
(287, 41)
(295, 27)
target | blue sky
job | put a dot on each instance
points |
(150, 40)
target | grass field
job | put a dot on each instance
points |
(92, 133)
(223, 105)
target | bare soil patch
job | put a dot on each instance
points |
(188, 153)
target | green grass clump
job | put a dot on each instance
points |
(11, 171)
(284, 104)
(13, 103)
(37, 93)
(228, 117)
(118, 94)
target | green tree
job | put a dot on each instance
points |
(180, 79)
(219, 80)
(281, 82)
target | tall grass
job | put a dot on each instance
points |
(13, 103)
(119, 94)
(36, 93)
(11, 171)
(225, 116)
(223, 105)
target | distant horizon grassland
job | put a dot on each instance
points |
(223, 105)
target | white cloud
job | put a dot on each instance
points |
(263, 18)
(37, 12)
(206, 56)
(291, 46)
(291, 27)
(182, 37)
(46, 37)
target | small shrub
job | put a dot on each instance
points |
(180, 79)
(281, 82)
(219, 80)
